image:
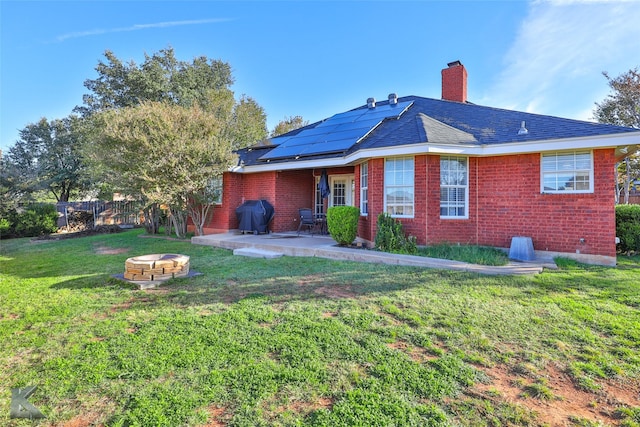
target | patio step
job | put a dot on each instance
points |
(256, 253)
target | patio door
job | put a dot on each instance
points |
(343, 189)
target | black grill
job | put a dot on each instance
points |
(255, 216)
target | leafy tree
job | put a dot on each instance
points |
(249, 123)
(161, 77)
(156, 90)
(288, 124)
(622, 107)
(46, 157)
(166, 153)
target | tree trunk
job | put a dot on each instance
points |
(179, 219)
(200, 214)
(151, 218)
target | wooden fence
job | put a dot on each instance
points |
(121, 212)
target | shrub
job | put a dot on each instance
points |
(5, 226)
(390, 236)
(36, 220)
(628, 227)
(342, 222)
(8, 219)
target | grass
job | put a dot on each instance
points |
(300, 341)
(466, 253)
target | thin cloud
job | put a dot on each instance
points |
(138, 27)
(555, 62)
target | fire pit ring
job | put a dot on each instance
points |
(156, 267)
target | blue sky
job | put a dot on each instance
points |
(316, 59)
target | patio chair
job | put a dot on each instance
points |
(306, 220)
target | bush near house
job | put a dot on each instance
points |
(628, 227)
(342, 222)
(391, 238)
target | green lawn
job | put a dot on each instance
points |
(309, 341)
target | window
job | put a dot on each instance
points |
(364, 189)
(398, 186)
(454, 188)
(339, 192)
(567, 172)
(214, 190)
(319, 200)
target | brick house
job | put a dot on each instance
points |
(450, 170)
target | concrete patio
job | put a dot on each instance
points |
(322, 246)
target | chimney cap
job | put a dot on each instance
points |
(454, 64)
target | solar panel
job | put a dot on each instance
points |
(304, 140)
(358, 125)
(330, 146)
(352, 134)
(336, 121)
(279, 140)
(337, 133)
(381, 115)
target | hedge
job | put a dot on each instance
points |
(628, 227)
(33, 220)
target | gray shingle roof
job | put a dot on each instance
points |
(447, 122)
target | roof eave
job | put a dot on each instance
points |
(618, 141)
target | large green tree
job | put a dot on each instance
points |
(622, 107)
(165, 152)
(161, 77)
(139, 116)
(47, 158)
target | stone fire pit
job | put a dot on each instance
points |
(156, 267)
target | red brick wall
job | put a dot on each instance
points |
(556, 222)
(236, 190)
(364, 220)
(346, 170)
(287, 191)
(224, 214)
(295, 190)
(446, 230)
(505, 201)
(416, 226)
(367, 225)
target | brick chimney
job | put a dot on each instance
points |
(454, 82)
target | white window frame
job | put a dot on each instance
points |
(319, 202)
(216, 186)
(550, 166)
(393, 185)
(349, 189)
(456, 187)
(364, 189)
